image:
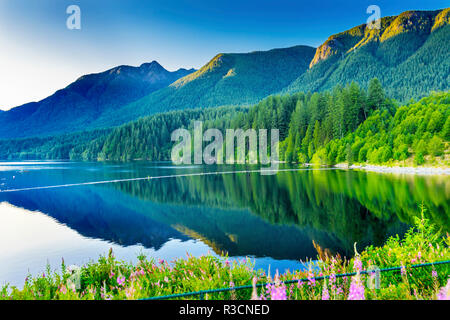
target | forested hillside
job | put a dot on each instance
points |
(346, 124)
(149, 138)
(48, 148)
(410, 55)
(324, 116)
(413, 135)
(228, 79)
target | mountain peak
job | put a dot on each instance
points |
(420, 22)
(86, 99)
(227, 79)
(209, 67)
(152, 66)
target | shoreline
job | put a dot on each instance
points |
(397, 169)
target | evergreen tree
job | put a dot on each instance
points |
(375, 94)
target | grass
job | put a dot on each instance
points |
(110, 279)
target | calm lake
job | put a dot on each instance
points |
(276, 220)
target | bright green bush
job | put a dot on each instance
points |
(421, 127)
(436, 146)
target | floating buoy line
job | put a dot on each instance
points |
(262, 171)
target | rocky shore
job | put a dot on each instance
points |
(397, 169)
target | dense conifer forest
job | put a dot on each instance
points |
(345, 124)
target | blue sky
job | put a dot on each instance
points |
(40, 55)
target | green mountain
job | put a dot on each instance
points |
(410, 55)
(77, 106)
(228, 79)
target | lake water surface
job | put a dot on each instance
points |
(274, 219)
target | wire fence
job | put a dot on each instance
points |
(203, 293)
(149, 178)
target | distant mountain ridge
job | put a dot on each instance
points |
(410, 55)
(75, 107)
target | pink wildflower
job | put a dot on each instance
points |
(129, 292)
(325, 293)
(291, 290)
(312, 280)
(357, 264)
(277, 291)
(332, 278)
(120, 281)
(356, 289)
(444, 293)
(63, 289)
(255, 291)
(403, 270)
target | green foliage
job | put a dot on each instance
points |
(59, 147)
(436, 146)
(421, 244)
(321, 117)
(149, 137)
(108, 278)
(383, 137)
(375, 93)
(419, 159)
